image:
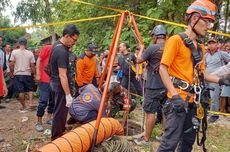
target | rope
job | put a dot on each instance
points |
(103, 7)
(142, 109)
(178, 24)
(149, 18)
(219, 113)
(60, 23)
(119, 145)
(112, 9)
(127, 123)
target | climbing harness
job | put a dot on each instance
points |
(200, 121)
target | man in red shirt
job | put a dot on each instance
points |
(3, 91)
(44, 88)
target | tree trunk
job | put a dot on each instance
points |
(226, 16)
(216, 25)
(49, 20)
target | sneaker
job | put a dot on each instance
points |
(39, 127)
(49, 122)
(7, 100)
(141, 142)
(47, 132)
(213, 118)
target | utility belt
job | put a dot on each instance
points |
(190, 89)
(183, 85)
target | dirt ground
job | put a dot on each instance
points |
(19, 134)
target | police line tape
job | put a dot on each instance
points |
(103, 17)
(211, 112)
(60, 23)
(149, 18)
(103, 7)
(219, 113)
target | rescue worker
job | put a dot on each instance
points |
(59, 82)
(179, 75)
(155, 91)
(86, 70)
(86, 106)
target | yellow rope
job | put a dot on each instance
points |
(108, 16)
(219, 113)
(177, 24)
(103, 7)
(60, 23)
(149, 18)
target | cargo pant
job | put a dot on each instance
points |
(178, 132)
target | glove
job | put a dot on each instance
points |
(224, 81)
(179, 104)
(69, 100)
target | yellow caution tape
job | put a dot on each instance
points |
(211, 112)
(109, 16)
(94, 5)
(219, 113)
(159, 20)
(60, 23)
(177, 24)
(149, 18)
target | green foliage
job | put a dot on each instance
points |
(33, 10)
(3, 4)
(101, 31)
(9, 36)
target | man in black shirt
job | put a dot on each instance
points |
(59, 63)
(126, 61)
(155, 91)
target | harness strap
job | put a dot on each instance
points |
(196, 54)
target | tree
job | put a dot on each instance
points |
(38, 11)
(226, 15)
(3, 4)
(9, 36)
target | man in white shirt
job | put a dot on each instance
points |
(22, 64)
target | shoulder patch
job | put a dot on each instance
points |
(87, 97)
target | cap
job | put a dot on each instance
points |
(93, 48)
(212, 39)
(22, 41)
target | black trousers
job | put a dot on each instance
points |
(135, 86)
(176, 131)
(60, 110)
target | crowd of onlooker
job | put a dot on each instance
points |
(57, 74)
(218, 55)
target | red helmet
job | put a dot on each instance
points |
(204, 7)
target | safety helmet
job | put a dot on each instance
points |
(205, 8)
(159, 30)
(22, 41)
